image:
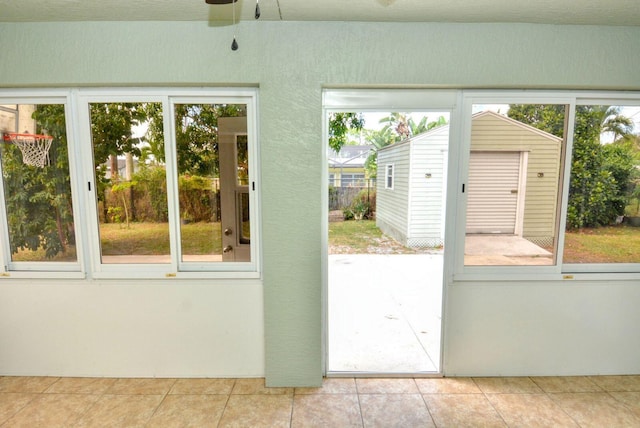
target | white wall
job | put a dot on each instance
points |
(120, 328)
(130, 328)
(546, 329)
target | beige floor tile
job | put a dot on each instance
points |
(256, 386)
(81, 385)
(629, 399)
(394, 410)
(451, 385)
(530, 410)
(566, 384)
(202, 386)
(386, 386)
(189, 411)
(617, 383)
(26, 383)
(264, 410)
(462, 410)
(332, 386)
(53, 410)
(147, 386)
(121, 411)
(328, 410)
(12, 402)
(507, 385)
(596, 409)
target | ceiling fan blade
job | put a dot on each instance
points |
(220, 1)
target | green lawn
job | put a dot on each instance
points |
(611, 244)
(362, 237)
(153, 238)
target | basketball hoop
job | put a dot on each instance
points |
(34, 147)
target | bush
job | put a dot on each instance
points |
(362, 207)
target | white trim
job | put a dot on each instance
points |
(389, 177)
(558, 271)
(89, 265)
(522, 191)
(414, 100)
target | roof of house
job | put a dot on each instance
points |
(350, 156)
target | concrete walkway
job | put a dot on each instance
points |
(384, 313)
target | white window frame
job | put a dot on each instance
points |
(558, 271)
(389, 176)
(44, 269)
(88, 248)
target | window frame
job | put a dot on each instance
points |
(559, 271)
(389, 176)
(78, 127)
(18, 269)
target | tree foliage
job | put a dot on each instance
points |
(398, 127)
(38, 200)
(600, 174)
(339, 126)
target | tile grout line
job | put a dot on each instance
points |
(548, 395)
(484, 394)
(226, 403)
(359, 403)
(164, 397)
(35, 395)
(425, 403)
(100, 396)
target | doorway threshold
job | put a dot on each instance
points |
(383, 375)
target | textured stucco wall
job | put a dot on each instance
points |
(291, 62)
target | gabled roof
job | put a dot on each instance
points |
(480, 115)
(517, 123)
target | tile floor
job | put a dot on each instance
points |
(600, 401)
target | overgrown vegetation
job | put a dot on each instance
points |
(362, 207)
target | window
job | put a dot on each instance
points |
(513, 184)
(38, 219)
(388, 182)
(352, 180)
(166, 180)
(550, 184)
(604, 187)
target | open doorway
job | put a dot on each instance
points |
(386, 192)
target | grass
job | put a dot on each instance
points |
(153, 239)
(362, 237)
(610, 244)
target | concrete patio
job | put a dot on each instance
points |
(384, 313)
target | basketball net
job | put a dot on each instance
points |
(34, 147)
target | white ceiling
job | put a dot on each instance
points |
(598, 12)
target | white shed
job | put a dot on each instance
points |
(512, 185)
(411, 188)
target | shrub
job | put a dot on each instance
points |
(362, 206)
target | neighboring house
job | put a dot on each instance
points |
(346, 168)
(512, 184)
(122, 168)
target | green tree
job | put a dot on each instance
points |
(339, 126)
(396, 130)
(38, 200)
(599, 174)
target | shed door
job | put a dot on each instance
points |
(492, 192)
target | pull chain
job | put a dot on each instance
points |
(234, 44)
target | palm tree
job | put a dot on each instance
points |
(402, 127)
(611, 121)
